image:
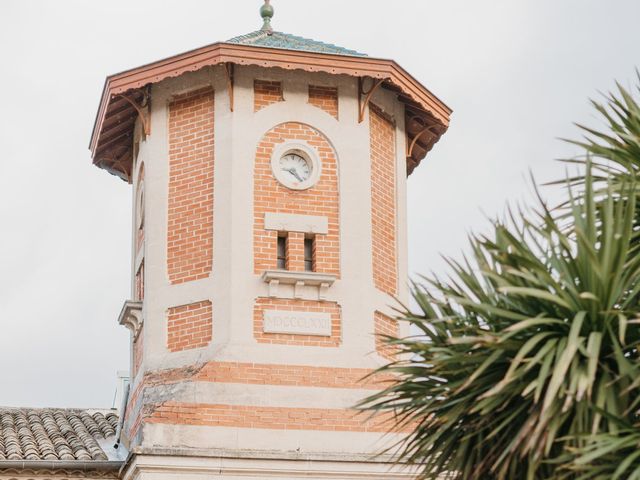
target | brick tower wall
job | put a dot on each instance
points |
(207, 363)
(190, 229)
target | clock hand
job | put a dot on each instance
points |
(293, 172)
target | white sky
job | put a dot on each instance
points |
(517, 73)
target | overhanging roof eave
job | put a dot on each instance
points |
(222, 52)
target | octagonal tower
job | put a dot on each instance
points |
(269, 236)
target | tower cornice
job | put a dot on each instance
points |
(112, 137)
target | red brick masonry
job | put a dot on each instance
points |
(322, 199)
(265, 93)
(325, 98)
(383, 202)
(190, 222)
(385, 325)
(189, 326)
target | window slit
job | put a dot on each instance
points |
(309, 264)
(282, 251)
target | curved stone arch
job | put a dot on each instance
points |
(320, 200)
(139, 209)
(139, 171)
(319, 131)
(292, 111)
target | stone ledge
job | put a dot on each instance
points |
(298, 279)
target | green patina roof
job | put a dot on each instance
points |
(270, 39)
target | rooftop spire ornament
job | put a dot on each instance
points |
(266, 12)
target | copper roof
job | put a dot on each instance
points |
(271, 39)
(125, 95)
(54, 434)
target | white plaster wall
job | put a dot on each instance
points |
(224, 441)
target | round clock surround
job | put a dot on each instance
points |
(296, 165)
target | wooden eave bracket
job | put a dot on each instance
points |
(367, 94)
(416, 137)
(143, 109)
(228, 69)
(267, 57)
(114, 165)
(367, 70)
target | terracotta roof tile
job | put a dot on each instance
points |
(54, 434)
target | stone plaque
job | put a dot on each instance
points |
(297, 323)
(296, 223)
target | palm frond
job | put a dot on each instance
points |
(519, 343)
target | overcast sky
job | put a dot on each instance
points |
(516, 73)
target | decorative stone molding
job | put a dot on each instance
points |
(298, 279)
(131, 317)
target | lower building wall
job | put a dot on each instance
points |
(277, 398)
(228, 440)
(169, 467)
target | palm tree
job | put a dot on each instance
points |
(525, 364)
(616, 157)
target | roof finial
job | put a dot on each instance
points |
(266, 12)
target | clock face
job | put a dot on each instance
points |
(296, 165)
(295, 168)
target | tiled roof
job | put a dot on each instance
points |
(54, 434)
(262, 38)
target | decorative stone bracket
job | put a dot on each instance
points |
(131, 317)
(299, 280)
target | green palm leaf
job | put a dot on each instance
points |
(526, 362)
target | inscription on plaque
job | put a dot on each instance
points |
(297, 323)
